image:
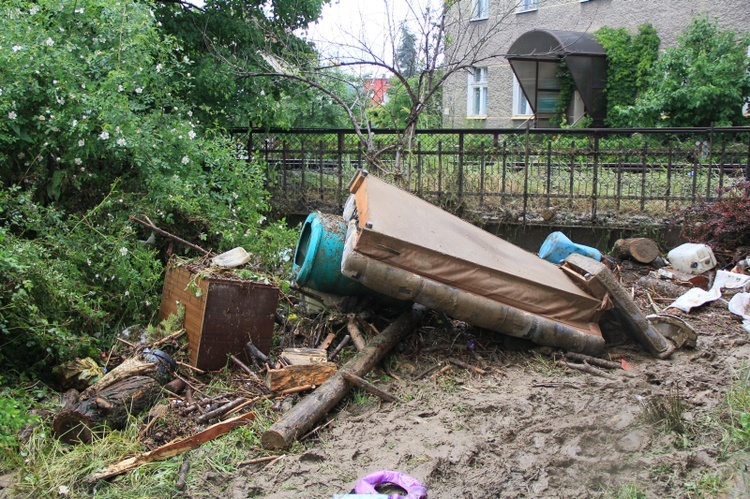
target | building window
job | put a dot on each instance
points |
(477, 95)
(480, 9)
(521, 106)
(528, 5)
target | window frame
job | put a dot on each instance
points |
(527, 6)
(517, 96)
(480, 10)
(478, 109)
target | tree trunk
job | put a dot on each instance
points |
(640, 249)
(316, 405)
(110, 407)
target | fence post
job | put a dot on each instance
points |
(440, 171)
(623, 160)
(482, 168)
(284, 155)
(669, 174)
(549, 173)
(340, 165)
(572, 169)
(419, 168)
(460, 167)
(527, 154)
(710, 161)
(644, 152)
(595, 186)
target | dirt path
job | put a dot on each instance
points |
(526, 428)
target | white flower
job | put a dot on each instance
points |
(75, 122)
(79, 162)
(83, 85)
(49, 42)
(158, 68)
(138, 90)
(123, 252)
(88, 262)
(33, 10)
(16, 48)
(121, 141)
(186, 59)
(185, 160)
(191, 134)
(79, 11)
(127, 293)
(12, 115)
(21, 155)
(41, 117)
(119, 88)
(190, 113)
(81, 143)
(104, 135)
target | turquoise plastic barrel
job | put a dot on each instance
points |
(317, 257)
(557, 247)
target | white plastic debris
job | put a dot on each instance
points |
(232, 258)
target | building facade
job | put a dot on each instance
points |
(486, 94)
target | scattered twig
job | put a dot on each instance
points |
(182, 475)
(242, 366)
(220, 411)
(463, 364)
(655, 308)
(357, 338)
(172, 336)
(427, 371)
(316, 430)
(585, 368)
(192, 368)
(127, 343)
(327, 341)
(340, 346)
(297, 389)
(150, 225)
(592, 360)
(368, 387)
(258, 460)
(274, 461)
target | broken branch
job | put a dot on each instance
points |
(368, 387)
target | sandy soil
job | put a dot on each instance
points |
(526, 427)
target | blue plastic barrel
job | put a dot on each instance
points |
(557, 247)
(317, 257)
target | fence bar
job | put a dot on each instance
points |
(594, 188)
(440, 171)
(644, 169)
(669, 174)
(340, 165)
(460, 167)
(549, 173)
(527, 155)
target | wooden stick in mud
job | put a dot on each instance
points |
(592, 360)
(357, 338)
(313, 407)
(369, 387)
(465, 365)
(586, 368)
(339, 347)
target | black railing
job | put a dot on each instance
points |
(571, 175)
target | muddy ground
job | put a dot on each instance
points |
(526, 427)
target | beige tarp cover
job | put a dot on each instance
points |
(405, 231)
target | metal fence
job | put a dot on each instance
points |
(512, 175)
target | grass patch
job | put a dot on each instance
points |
(626, 491)
(666, 412)
(545, 366)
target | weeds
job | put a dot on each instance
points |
(666, 412)
(544, 366)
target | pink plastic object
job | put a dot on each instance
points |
(414, 489)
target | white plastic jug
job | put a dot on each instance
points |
(693, 258)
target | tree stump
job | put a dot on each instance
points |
(110, 407)
(640, 249)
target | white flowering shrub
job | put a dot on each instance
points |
(93, 130)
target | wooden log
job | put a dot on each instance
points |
(353, 329)
(368, 387)
(173, 448)
(298, 375)
(313, 407)
(130, 367)
(640, 249)
(301, 356)
(661, 287)
(586, 369)
(110, 407)
(220, 411)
